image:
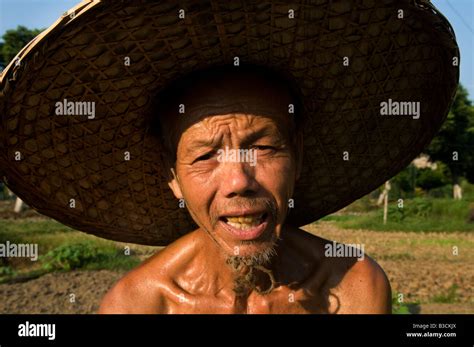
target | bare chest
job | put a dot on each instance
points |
(282, 301)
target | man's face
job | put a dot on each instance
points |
(237, 172)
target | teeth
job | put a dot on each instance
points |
(246, 222)
(241, 225)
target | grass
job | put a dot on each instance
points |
(396, 256)
(418, 214)
(338, 218)
(59, 243)
(86, 255)
(443, 242)
(403, 307)
(29, 226)
(83, 255)
(449, 297)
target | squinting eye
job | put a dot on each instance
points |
(206, 156)
(265, 148)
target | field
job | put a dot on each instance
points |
(419, 265)
(430, 271)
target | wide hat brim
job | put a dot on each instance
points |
(346, 57)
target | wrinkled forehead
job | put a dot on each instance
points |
(237, 92)
(229, 91)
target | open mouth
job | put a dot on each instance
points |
(246, 226)
(245, 222)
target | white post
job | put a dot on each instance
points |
(457, 192)
(385, 201)
(18, 205)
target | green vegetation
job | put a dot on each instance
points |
(61, 249)
(6, 271)
(449, 297)
(418, 214)
(14, 41)
(396, 256)
(402, 307)
(23, 227)
(87, 255)
(412, 182)
(454, 143)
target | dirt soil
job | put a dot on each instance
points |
(68, 292)
(423, 266)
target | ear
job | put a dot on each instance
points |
(173, 183)
(299, 154)
(171, 176)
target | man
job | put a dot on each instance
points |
(218, 129)
(243, 258)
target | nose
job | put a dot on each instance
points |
(238, 179)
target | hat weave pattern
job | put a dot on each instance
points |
(111, 166)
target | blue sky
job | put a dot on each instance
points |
(42, 13)
(460, 14)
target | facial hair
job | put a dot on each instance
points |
(253, 270)
(249, 271)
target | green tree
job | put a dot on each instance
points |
(454, 144)
(14, 40)
(428, 178)
(2, 62)
(404, 182)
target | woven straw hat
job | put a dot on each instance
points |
(346, 57)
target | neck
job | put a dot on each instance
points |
(239, 276)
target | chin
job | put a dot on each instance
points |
(256, 241)
(264, 249)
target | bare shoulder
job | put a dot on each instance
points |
(361, 286)
(354, 282)
(364, 289)
(133, 293)
(150, 287)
